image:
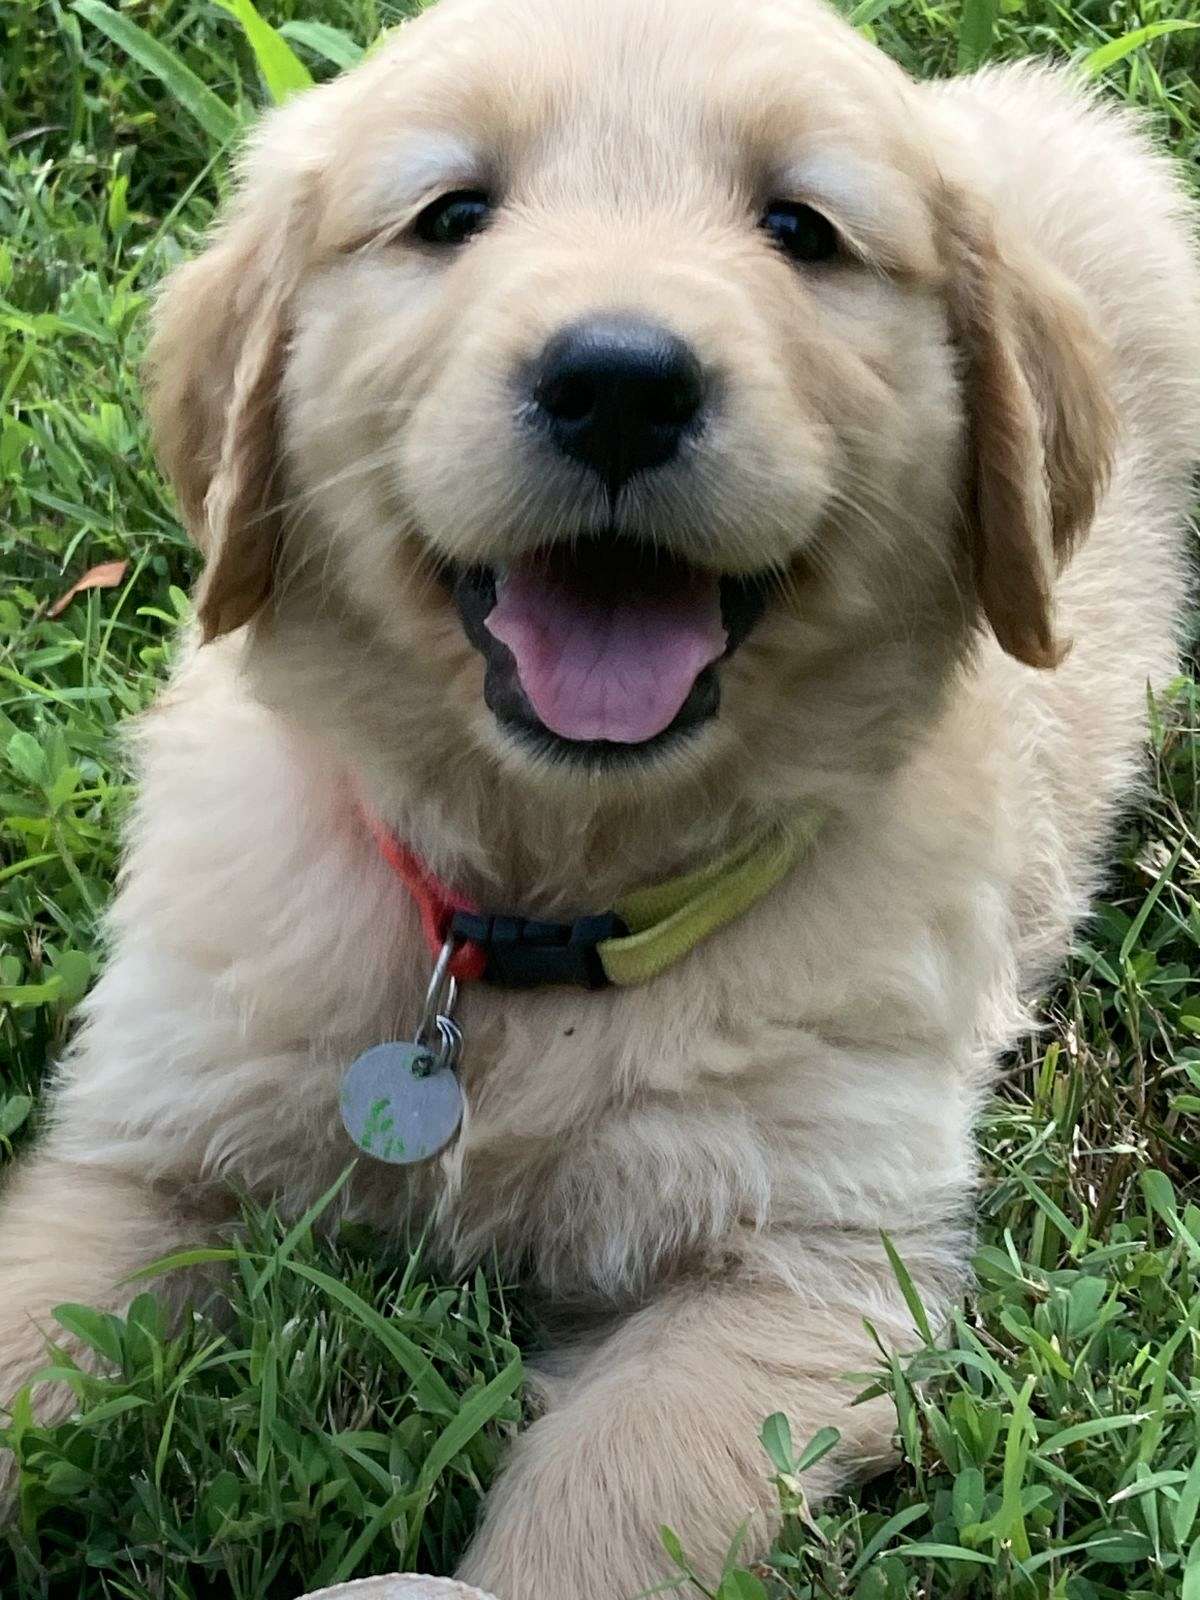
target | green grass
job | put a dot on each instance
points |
(348, 1413)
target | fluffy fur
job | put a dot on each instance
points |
(916, 439)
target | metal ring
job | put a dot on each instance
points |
(440, 995)
(451, 1036)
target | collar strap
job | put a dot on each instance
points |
(645, 933)
(436, 904)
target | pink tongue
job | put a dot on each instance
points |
(602, 662)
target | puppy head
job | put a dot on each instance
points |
(623, 383)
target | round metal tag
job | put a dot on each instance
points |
(398, 1105)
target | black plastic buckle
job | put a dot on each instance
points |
(523, 953)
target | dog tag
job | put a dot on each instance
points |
(400, 1103)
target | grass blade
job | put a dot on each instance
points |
(331, 44)
(214, 116)
(477, 1412)
(282, 70)
(908, 1289)
(944, 1552)
(894, 1525)
(428, 1384)
(1115, 50)
(976, 31)
(1129, 942)
(868, 11)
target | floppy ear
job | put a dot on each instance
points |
(1041, 427)
(214, 365)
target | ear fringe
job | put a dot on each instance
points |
(244, 525)
(1067, 366)
(1041, 428)
(213, 370)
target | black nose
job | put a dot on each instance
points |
(618, 394)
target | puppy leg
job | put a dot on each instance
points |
(70, 1233)
(659, 1424)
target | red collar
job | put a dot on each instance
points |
(436, 903)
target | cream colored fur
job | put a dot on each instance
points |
(699, 1170)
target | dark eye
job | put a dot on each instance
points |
(454, 217)
(799, 231)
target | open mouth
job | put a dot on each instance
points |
(607, 648)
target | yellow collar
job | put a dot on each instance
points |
(645, 933)
(668, 920)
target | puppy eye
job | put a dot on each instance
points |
(800, 232)
(454, 218)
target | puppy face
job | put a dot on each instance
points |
(620, 387)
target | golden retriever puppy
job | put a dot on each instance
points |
(623, 433)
